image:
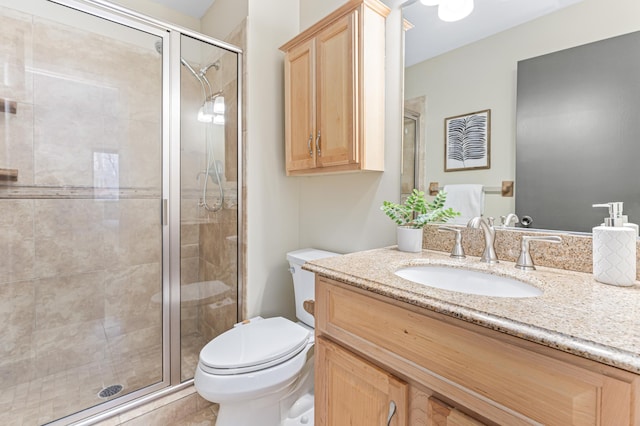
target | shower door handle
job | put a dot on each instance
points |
(165, 212)
(309, 144)
(318, 144)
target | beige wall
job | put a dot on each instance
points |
(223, 17)
(312, 11)
(161, 12)
(483, 75)
(272, 198)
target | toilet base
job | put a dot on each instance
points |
(301, 413)
(261, 412)
(289, 403)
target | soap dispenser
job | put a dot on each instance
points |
(627, 224)
(614, 249)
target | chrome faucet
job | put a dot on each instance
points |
(489, 253)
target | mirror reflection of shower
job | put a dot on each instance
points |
(210, 113)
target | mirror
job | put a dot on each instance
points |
(483, 75)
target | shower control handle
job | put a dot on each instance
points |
(318, 144)
(309, 144)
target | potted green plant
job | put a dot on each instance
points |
(414, 214)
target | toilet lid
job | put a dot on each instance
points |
(254, 346)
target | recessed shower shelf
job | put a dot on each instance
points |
(9, 174)
(8, 106)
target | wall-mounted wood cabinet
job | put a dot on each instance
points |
(334, 92)
(453, 372)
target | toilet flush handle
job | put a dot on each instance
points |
(309, 306)
(292, 269)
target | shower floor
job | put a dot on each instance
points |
(51, 397)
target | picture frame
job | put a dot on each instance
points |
(467, 141)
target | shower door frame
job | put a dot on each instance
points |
(170, 201)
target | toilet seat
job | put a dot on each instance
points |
(254, 346)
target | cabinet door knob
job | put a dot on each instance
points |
(392, 411)
(309, 144)
(318, 144)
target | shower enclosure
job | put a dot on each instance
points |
(119, 206)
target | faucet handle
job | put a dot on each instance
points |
(457, 252)
(524, 260)
(509, 220)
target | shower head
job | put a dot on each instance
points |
(212, 109)
(215, 65)
(158, 45)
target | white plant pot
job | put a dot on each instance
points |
(409, 239)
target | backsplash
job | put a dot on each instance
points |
(574, 253)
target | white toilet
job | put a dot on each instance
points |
(261, 372)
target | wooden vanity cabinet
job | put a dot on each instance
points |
(334, 92)
(455, 373)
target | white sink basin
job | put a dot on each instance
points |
(470, 282)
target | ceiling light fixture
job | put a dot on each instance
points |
(451, 10)
(454, 10)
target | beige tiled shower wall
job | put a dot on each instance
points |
(80, 264)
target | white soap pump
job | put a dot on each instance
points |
(634, 226)
(614, 249)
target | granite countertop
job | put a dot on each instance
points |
(575, 314)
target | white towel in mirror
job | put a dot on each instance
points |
(468, 199)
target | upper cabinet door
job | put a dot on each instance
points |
(337, 82)
(300, 107)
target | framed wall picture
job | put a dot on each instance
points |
(467, 141)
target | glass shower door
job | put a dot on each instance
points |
(81, 189)
(209, 196)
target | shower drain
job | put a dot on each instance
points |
(110, 391)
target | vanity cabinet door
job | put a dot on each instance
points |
(352, 391)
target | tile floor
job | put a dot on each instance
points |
(51, 397)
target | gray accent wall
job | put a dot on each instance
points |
(578, 134)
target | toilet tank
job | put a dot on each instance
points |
(304, 281)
